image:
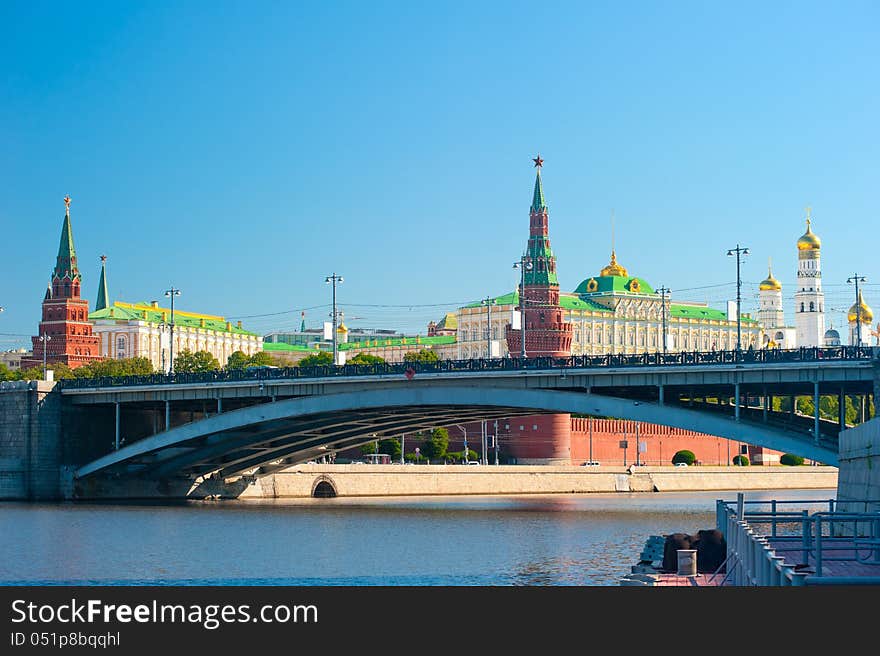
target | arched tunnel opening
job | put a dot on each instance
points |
(324, 490)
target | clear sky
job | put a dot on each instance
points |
(242, 151)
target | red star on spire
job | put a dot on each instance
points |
(538, 161)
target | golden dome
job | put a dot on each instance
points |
(809, 241)
(861, 311)
(770, 283)
(342, 328)
(613, 269)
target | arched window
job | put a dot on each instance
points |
(120, 346)
(802, 307)
(812, 306)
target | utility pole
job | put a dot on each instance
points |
(524, 264)
(856, 278)
(334, 280)
(172, 292)
(739, 252)
(663, 292)
(488, 302)
(495, 438)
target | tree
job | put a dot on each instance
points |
(260, 359)
(5, 374)
(139, 366)
(188, 362)
(60, 371)
(742, 461)
(237, 360)
(685, 456)
(322, 358)
(423, 355)
(366, 358)
(437, 444)
(791, 460)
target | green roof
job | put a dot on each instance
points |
(616, 284)
(566, 300)
(65, 263)
(398, 341)
(538, 202)
(103, 297)
(698, 312)
(281, 346)
(144, 312)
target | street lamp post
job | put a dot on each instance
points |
(524, 264)
(171, 293)
(488, 302)
(45, 339)
(467, 456)
(856, 278)
(334, 280)
(663, 292)
(739, 252)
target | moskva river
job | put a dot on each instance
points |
(590, 539)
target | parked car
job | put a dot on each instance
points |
(681, 464)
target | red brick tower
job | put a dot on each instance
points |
(65, 315)
(546, 330)
(540, 439)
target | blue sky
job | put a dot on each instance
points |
(242, 151)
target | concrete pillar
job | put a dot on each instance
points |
(816, 412)
(167, 415)
(660, 390)
(118, 412)
(841, 409)
(219, 405)
(766, 405)
(736, 400)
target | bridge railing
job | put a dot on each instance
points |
(779, 547)
(611, 360)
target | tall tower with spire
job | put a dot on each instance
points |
(65, 328)
(547, 333)
(770, 312)
(809, 299)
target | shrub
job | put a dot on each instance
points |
(742, 461)
(791, 459)
(684, 456)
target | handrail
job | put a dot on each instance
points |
(611, 360)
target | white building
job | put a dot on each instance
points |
(771, 314)
(809, 298)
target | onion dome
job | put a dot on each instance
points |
(860, 311)
(342, 328)
(832, 334)
(809, 241)
(613, 269)
(770, 283)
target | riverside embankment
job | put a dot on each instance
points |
(403, 480)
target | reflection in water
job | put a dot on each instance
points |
(590, 539)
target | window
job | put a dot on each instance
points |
(802, 307)
(812, 306)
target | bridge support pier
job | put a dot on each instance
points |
(816, 412)
(118, 417)
(841, 409)
(768, 401)
(219, 405)
(660, 392)
(736, 400)
(167, 415)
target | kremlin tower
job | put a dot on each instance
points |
(65, 331)
(809, 297)
(547, 334)
(770, 314)
(540, 439)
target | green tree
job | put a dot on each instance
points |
(742, 461)
(322, 358)
(423, 355)
(59, 369)
(237, 360)
(437, 444)
(139, 366)
(791, 460)
(260, 359)
(366, 358)
(5, 374)
(685, 456)
(188, 362)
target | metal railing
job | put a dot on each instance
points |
(608, 361)
(792, 547)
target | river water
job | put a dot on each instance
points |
(589, 539)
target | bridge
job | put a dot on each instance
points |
(254, 422)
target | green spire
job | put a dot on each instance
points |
(65, 263)
(538, 203)
(103, 297)
(302, 327)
